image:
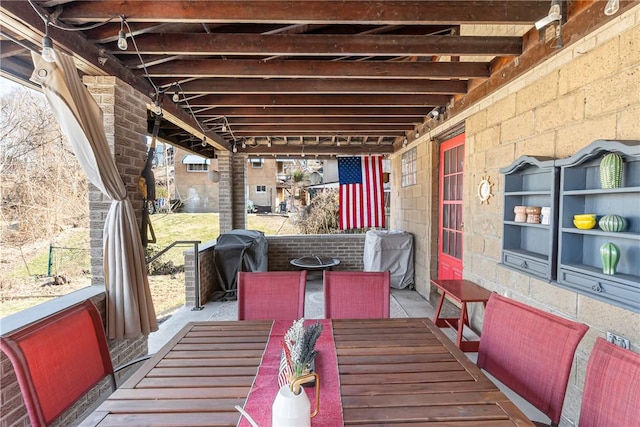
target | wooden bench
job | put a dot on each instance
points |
(462, 291)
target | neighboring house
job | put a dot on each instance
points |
(261, 184)
(193, 185)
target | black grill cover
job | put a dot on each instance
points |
(238, 250)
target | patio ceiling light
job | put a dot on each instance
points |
(122, 36)
(612, 7)
(48, 54)
(175, 97)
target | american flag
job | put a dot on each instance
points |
(361, 192)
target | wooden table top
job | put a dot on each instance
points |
(392, 372)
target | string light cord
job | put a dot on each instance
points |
(64, 28)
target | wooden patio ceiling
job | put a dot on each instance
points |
(277, 77)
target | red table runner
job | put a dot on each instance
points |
(265, 385)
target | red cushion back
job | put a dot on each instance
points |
(612, 387)
(530, 351)
(272, 295)
(58, 359)
(356, 294)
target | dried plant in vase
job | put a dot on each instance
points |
(298, 351)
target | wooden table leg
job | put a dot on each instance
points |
(438, 310)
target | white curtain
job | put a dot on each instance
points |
(130, 311)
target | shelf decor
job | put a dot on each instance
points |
(612, 223)
(611, 171)
(610, 255)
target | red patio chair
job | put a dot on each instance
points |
(58, 359)
(611, 394)
(356, 294)
(530, 351)
(271, 295)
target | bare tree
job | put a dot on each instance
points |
(43, 188)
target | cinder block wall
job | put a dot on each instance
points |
(589, 90)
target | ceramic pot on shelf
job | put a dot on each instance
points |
(521, 213)
(533, 214)
(545, 215)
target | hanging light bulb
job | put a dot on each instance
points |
(612, 7)
(224, 127)
(48, 54)
(404, 142)
(417, 133)
(122, 37)
(204, 140)
(244, 144)
(269, 142)
(175, 97)
(554, 11)
(235, 148)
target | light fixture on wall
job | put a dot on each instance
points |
(122, 36)
(555, 14)
(612, 7)
(48, 54)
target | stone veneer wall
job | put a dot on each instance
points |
(589, 90)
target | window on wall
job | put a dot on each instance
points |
(410, 168)
(256, 163)
(261, 188)
(195, 167)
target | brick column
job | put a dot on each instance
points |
(239, 186)
(225, 191)
(125, 122)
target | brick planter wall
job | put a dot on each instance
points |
(348, 248)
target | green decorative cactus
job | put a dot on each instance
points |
(610, 255)
(613, 223)
(611, 171)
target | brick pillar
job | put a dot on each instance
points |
(239, 194)
(225, 191)
(125, 122)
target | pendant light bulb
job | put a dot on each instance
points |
(612, 7)
(417, 134)
(235, 148)
(404, 142)
(122, 37)
(175, 97)
(122, 40)
(269, 142)
(244, 144)
(204, 141)
(48, 54)
(224, 127)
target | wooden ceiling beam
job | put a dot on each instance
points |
(229, 112)
(315, 130)
(322, 45)
(311, 12)
(286, 121)
(320, 128)
(331, 86)
(312, 150)
(320, 100)
(202, 68)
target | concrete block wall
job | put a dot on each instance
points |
(415, 209)
(589, 90)
(208, 281)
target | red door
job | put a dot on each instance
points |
(450, 219)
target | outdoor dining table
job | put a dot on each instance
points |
(390, 372)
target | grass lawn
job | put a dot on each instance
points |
(23, 281)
